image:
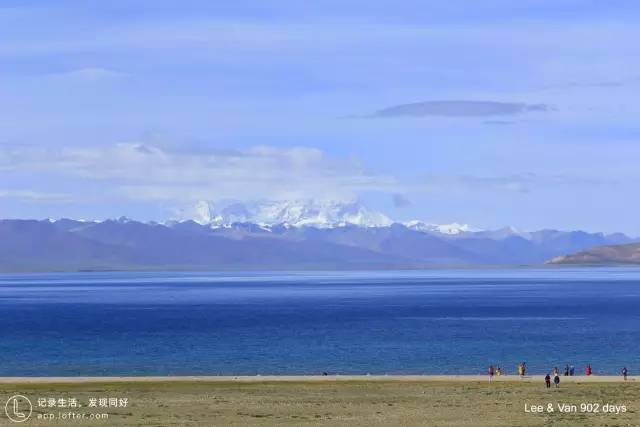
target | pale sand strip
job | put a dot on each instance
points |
(312, 378)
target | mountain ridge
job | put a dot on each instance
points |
(71, 245)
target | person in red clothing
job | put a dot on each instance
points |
(588, 371)
(491, 372)
(547, 380)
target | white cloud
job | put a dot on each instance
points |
(146, 172)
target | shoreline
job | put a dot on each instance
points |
(313, 378)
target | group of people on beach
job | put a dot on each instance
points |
(569, 371)
(522, 370)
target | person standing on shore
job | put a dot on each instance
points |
(566, 370)
(491, 372)
(555, 371)
(547, 380)
(556, 380)
(572, 370)
(588, 371)
(625, 372)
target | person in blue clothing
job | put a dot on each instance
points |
(556, 380)
(572, 370)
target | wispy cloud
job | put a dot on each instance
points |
(522, 183)
(499, 122)
(605, 84)
(88, 74)
(34, 196)
(459, 109)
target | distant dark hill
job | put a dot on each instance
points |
(66, 245)
(40, 245)
(397, 241)
(43, 246)
(613, 254)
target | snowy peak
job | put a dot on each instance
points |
(305, 213)
(505, 232)
(199, 212)
(453, 228)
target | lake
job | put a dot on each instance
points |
(388, 322)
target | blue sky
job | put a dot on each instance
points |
(509, 113)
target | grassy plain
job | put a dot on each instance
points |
(352, 401)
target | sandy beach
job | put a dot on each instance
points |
(312, 378)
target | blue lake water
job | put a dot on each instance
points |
(432, 322)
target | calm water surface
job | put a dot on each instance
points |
(434, 322)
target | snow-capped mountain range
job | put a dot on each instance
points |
(277, 235)
(307, 213)
(302, 213)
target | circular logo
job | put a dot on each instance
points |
(18, 408)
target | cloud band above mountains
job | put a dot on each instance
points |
(459, 109)
(148, 172)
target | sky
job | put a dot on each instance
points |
(488, 113)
